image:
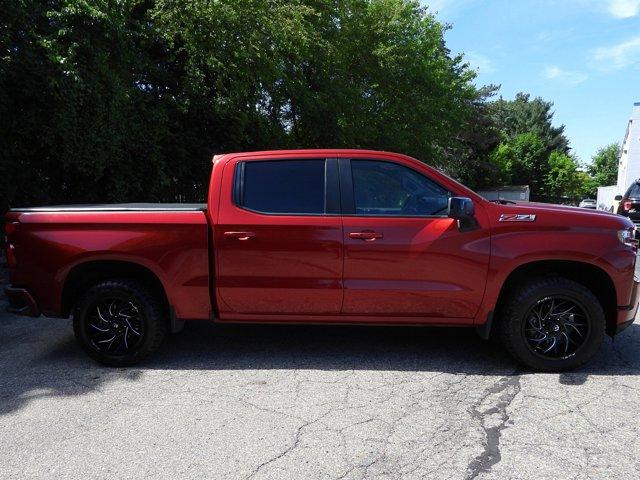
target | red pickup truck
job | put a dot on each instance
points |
(328, 236)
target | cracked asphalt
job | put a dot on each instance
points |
(276, 402)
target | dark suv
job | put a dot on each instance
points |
(629, 205)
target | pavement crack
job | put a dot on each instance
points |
(296, 441)
(491, 413)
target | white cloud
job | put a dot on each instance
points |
(479, 63)
(618, 56)
(624, 8)
(615, 8)
(566, 76)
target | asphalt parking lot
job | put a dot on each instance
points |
(312, 403)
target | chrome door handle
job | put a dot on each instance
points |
(367, 236)
(240, 235)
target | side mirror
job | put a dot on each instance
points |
(463, 210)
(617, 198)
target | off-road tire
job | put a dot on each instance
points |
(519, 303)
(152, 313)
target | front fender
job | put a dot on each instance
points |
(600, 248)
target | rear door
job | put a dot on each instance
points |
(278, 238)
(403, 256)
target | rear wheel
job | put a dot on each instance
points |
(119, 322)
(552, 324)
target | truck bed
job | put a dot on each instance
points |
(167, 242)
(119, 207)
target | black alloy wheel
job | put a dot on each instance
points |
(555, 327)
(119, 322)
(115, 325)
(551, 323)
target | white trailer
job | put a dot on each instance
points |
(628, 164)
(606, 198)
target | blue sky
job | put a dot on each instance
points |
(584, 55)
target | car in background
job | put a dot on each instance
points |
(588, 203)
(629, 205)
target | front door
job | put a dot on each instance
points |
(278, 238)
(403, 255)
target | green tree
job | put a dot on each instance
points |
(521, 160)
(104, 100)
(26, 95)
(500, 131)
(524, 115)
(81, 121)
(564, 179)
(358, 73)
(604, 165)
(469, 158)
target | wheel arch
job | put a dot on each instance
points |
(590, 276)
(88, 273)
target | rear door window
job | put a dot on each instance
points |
(281, 186)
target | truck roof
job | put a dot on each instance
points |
(305, 152)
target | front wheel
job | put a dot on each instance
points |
(552, 324)
(119, 322)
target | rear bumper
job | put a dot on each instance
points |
(627, 314)
(21, 302)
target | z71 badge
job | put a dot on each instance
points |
(517, 217)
